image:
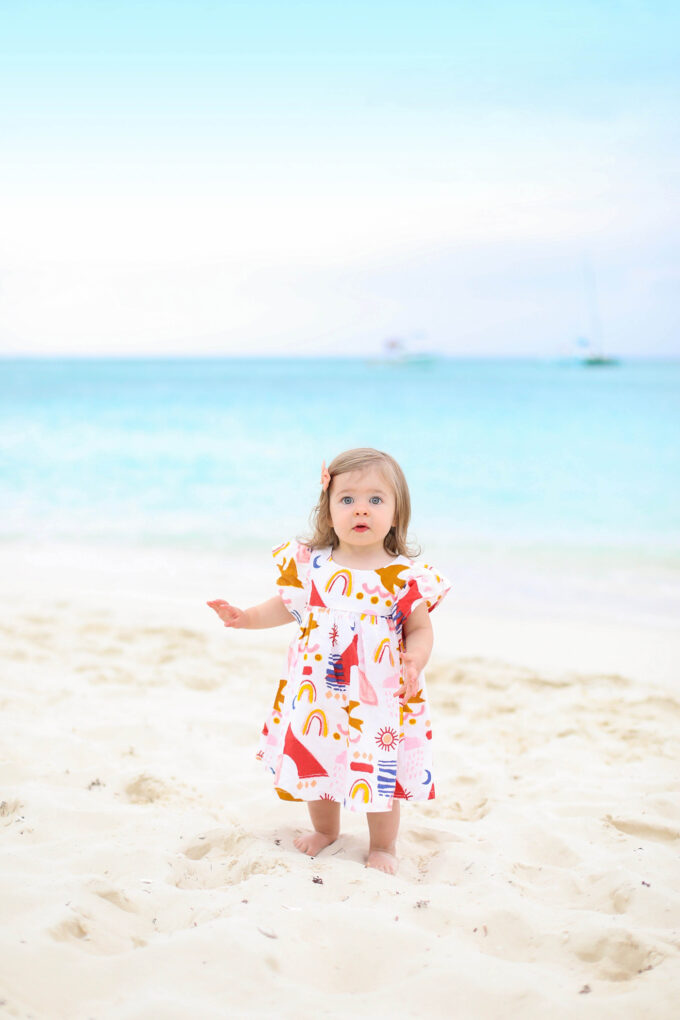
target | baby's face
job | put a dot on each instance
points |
(362, 506)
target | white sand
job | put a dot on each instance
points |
(148, 869)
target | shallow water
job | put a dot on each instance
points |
(568, 468)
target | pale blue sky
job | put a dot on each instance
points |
(313, 177)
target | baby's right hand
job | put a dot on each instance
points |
(230, 615)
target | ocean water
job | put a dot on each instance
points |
(505, 458)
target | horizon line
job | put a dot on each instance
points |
(414, 358)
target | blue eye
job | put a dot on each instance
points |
(347, 500)
(376, 500)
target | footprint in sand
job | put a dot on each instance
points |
(223, 858)
(72, 930)
(146, 789)
(436, 853)
(615, 955)
(469, 810)
(149, 789)
(114, 896)
(547, 882)
(658, 832)
(10, 808)
(607, 893)
(104, 921)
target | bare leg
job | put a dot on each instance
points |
(383, 827)
(325, 816)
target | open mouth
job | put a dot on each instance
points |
(360, 527)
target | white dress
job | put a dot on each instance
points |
(336, 730)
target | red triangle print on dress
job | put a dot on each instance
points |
(340, 666)
(315, 599)
(305, 762)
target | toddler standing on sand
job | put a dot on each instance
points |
(351, 722)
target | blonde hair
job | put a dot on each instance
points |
(396, 541)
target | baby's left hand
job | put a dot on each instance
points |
(409, 687)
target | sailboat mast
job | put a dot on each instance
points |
(590, 289)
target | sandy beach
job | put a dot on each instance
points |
(148, 869)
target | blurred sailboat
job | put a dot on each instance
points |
(396, 351)
(593, 357)
(593, 346)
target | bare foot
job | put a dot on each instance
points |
(381, 860)
(313, 842)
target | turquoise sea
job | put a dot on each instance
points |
(550, 460)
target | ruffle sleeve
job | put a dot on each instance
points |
(292, 575)
(422, 585)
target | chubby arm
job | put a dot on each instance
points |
(271, 613)
(418, 640)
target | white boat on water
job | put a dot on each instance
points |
(396, 352)
(594, 357)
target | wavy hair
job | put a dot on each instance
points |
(396, 540)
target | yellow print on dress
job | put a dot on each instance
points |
(288, 575)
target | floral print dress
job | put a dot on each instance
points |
(337, 731)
